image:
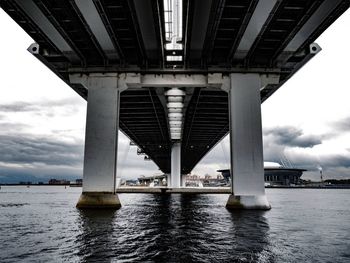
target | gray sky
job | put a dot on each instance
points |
(42, 121)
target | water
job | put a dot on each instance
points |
(41, 224)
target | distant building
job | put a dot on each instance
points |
(157, 180)
(58, 182)
(275, 176)
(283, 176)
(208, 180)
(192, 177)
(79, 181)
(192, 180)
(131, 182)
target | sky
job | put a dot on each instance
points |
(42, 120)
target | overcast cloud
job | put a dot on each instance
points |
(341, 126)
(42, 121)
(292, 137)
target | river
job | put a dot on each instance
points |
(41, 224)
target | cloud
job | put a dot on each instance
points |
(293, 137)
(12, 127)
(49, 118)
(290, 142)
(26, 157)
(60, 155)
(342, 125)
(29, 149)
(311, 161)
(40, 158)
(305, 151)
(23, 106)
(18, 107)
(48, 108)
(334, 165)
(278, 142)
(337, 128)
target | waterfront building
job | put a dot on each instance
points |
(58, 182)
(157, 180)
(79, 181)
(276, 175)
(282, 176)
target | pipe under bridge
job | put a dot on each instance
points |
(175, 76)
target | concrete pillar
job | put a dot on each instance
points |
(176, 165)
(101, 144)
(246, 149)
(168, 180)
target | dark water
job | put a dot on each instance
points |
(41, 224)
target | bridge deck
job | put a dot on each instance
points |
(101, 36)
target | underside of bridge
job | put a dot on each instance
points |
(149, 48)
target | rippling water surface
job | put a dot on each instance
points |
(41, 224)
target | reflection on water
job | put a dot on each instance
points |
(95, 237)
(42, 224)
(251, 234)
(173, 228)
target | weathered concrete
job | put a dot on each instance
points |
(176, 165)
(255, 202)
(168, 180)
(101, 138)
(94, 200)
(246, 147)
(101, 142)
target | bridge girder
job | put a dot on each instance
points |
(270, 38)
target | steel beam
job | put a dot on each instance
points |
(255, 25)
(147, 26)
(311, 25)
(30, 8)
(321, 14)
(94, 21)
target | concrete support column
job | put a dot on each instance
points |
(176, 165)
(101, 144)
(246, 148)
(168, 180)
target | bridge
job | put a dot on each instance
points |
(175, 76)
